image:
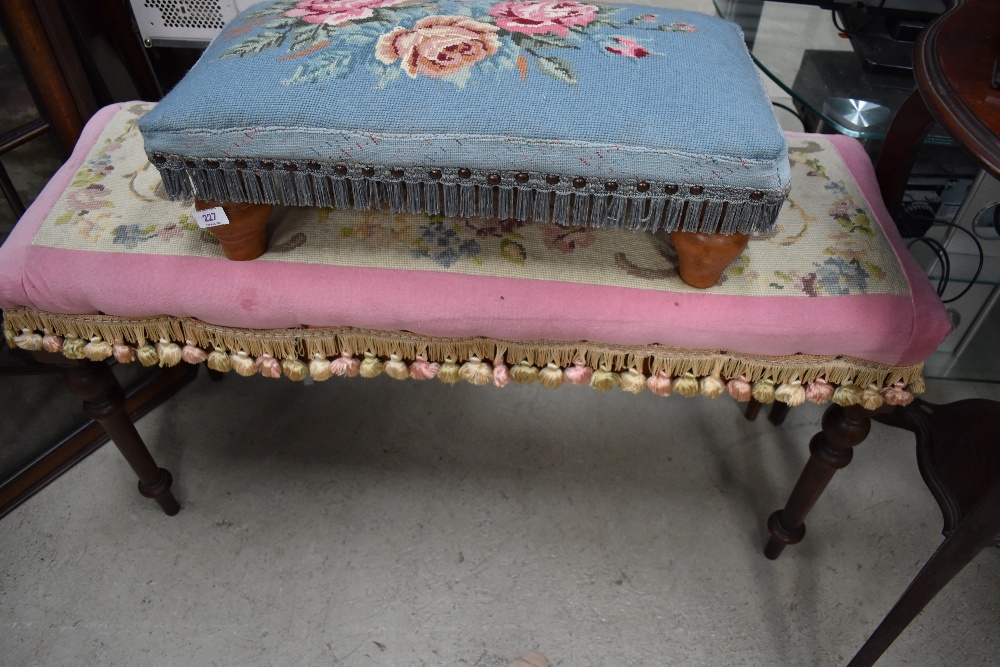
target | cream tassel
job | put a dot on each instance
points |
(28, 340)
(396, 368)
(243, 364)
(193, 354)
(551, 376)
(632, 381)
(449, 372)
(501, 374)
(97, 349)
(319, 368)
(168, 352)
(51, 343)
(476, 372)
(124, 354)
(523, 373)
(294, 369)
(145, 352)
(896, 395)
(871, 399)
(421, 369)
(371, 366)
(660, 383)
(219, 361)
(791, 393)
(604, 380)
(763, 390)
(345, 365)
(687, 385)
(712, 386)
(846, 395)
(740, 389)
(819, 391)
(8, 336)
(918, 386)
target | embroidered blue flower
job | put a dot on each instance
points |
(130, 236)
(442, 243)
(838, 275)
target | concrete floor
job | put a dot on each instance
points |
(375, 522)
(372, 522)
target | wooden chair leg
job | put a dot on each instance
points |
(778, 413)
(974, 533)
(245, 237)
(753, 409)
(702, 258)
(829, 451)
(104, 402)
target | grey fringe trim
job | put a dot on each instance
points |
(523, 196)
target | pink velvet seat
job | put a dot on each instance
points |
(831, 298)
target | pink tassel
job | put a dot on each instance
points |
(897, 395)
(51, 343)
(124, 354)
(345, 365)
(660, 383)
(501, 374)
(819, 391)
(740, 389)
(192, 354)
(421, 369)
(269, 366)
(578, 373)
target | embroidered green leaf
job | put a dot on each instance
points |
(543, 42)
(262, 41)
(305, 37)
(513, 251)
(783, 276)
(875, 271)
(558, 68)
(326, 65)
(63, 218)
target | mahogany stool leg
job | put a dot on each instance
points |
(104, 402)
(753, 409)
(976, 532)
(702, 258)
(245, 237)
(829, 451)
(778, 413)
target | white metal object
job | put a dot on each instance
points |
(187, 23)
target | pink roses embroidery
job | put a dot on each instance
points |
(627, 47)
(335, 12)
(547, 16)
(437, 46)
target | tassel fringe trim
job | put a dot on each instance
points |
(622, 204)
(324, 352)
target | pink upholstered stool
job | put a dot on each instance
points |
(829, 307)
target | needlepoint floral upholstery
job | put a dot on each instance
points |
(827, 306)
(578, 113)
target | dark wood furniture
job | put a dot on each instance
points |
(957, 444)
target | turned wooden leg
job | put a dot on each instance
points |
(829, 451)
(245, 237)
(104, 402)
(701, 258)
(753, 409)
(778, 413)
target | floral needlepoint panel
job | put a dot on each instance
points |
(827, 241)
(623, 93)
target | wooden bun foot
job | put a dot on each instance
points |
(245, 237)
(701, 257)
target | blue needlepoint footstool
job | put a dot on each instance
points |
(577, 113)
